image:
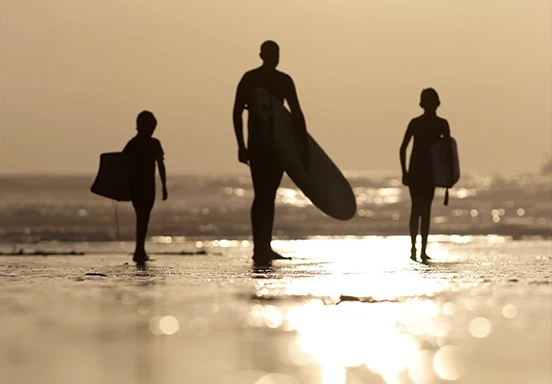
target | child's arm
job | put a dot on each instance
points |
(239, 106)
(402, 152)
(159, 158)
(163, 175)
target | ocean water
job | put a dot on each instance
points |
(349, 308)
(62, 208)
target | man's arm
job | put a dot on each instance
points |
(298, 120)
(239, 106)
(404, 145)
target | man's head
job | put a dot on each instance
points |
(270, 53)
(429, 99)
(146, 123)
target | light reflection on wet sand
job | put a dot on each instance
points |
(342, 311)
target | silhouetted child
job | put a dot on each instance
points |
(144, 151)
(426, 129)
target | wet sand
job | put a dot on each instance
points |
(342, 311)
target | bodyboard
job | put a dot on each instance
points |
(323, 184)
(446, 170)
(113, 178)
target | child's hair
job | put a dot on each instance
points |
(429, 98)
(145, 121)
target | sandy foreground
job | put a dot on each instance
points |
(342, 311)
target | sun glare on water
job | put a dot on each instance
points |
(400, 335)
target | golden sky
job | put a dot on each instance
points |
(74, 75)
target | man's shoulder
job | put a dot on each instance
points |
(256, 72)
(251, 74)
(283, 75)
(284, 78)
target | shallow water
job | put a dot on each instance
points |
(344, 310)
(42, 208)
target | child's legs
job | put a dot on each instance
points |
(421, 193)
(425, 213)
(425, 207)
(143, 213)
(414, 221)
(415, 213)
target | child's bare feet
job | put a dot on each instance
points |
(140, 258)
(425, 257)
(277, 256)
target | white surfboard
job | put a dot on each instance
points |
(324, 184)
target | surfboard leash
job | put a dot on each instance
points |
(116, 212)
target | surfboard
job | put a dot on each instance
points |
(323, 184)
(445, 174)
(113, 178)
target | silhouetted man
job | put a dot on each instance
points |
(266, 171)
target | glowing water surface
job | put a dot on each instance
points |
(343, 310)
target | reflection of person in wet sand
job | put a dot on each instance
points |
(426, 130)
(266, 172)
(144, 151)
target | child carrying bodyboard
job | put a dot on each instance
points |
(130, 176)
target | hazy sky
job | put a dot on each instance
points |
(75, 73)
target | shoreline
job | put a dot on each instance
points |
(217, 246)
(514, 232)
